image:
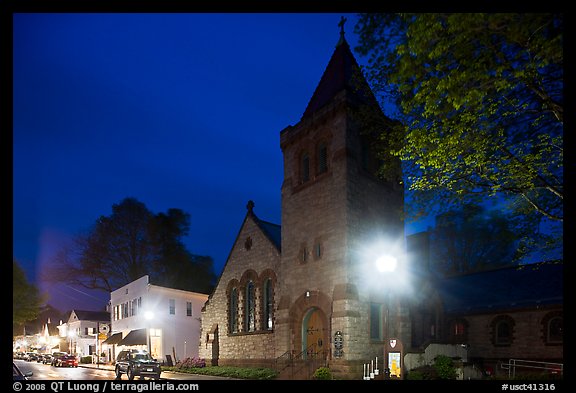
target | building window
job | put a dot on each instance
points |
(304, 167)
(502, 331)
(188, 309)
(172, 306)
(376, 321)
(322, 154)
(250, 307)
(553, 328)
(458, 328)
(268, 303)
(248, 243)
(458, 331)
(317, 251)
(233, 315)
(303, 253)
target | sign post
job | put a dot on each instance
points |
(393, 357)
(102, 334)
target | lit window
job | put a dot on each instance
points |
(250, 316)
(268, 305)
(233, 315)
(458, 329)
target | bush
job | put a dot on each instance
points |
(86, 359)
(444, 367)
(191, 363)
(422, 373)
(322, 373)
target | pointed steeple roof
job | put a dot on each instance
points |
(341, 73)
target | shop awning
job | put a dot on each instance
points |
(113, 339)
(135, 337)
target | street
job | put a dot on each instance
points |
(91, 372)
(48, 372)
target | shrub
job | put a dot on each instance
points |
(422, 373)
(322, 373)
(86, 359)
(444, 367)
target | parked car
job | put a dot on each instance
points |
(136, 363)
(67, 361)
(18, 375)
(47, 358)
(31, 357)
(56, 356)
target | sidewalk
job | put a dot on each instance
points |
(102, 366)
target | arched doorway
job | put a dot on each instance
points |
(314, 333)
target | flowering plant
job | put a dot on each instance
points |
(191, 363)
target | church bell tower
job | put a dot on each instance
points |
(334, 209)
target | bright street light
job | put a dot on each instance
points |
(386, 264)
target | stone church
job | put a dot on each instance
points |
(316, 290)
(285, 291)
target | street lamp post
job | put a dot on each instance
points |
(387, 264)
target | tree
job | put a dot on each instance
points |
(26, 299)
(472, 239)
(480, 105)
(130, 243)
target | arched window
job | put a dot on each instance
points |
(250, 307)
(322, 158)
(233, 311)
(502, 330)
(553, 328)
(268, 305)
(304, 167)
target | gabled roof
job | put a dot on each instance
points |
(84, 315)
(507, 288)
(272, 231)
(341, 73)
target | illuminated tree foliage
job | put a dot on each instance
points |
(480, 105)
(133, 242)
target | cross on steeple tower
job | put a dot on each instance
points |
(341, 25)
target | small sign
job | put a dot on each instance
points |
(393, 342)
(338, 344)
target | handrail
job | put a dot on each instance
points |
(547, 366)
(310, 357)
(288, 359)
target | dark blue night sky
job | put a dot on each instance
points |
(176, 110)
